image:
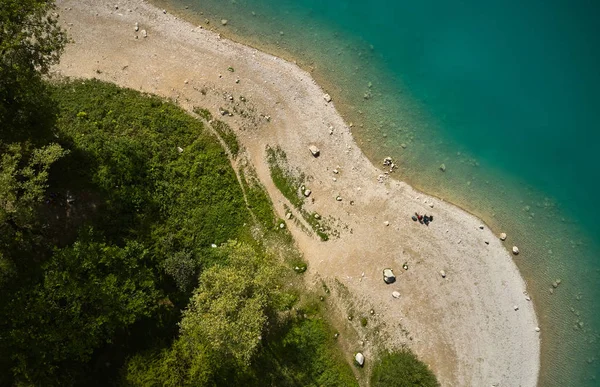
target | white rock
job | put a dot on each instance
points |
(179, 149)
(144, 34)
(503, 237)
(443, 273)
(360, 359)
(282, 225)
(537, 329)
(288, 215)
(481, 226)
(336, 171)
(339, 198)
(388, 276)
(137, 27)
(515, 250)
(314, 150)
(386, 223)
(327, 98)
(224, 22)
(396, 294)
(515, 307)
(307, 192)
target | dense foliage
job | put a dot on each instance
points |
(402, 369)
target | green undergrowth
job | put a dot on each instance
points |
(228, 136)
(140, 218)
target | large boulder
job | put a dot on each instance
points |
(360, 359)
(388, 276)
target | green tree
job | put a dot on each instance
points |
(88, 292)
(30, 43)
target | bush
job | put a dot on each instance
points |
(402, 369)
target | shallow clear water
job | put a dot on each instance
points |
(505, 94)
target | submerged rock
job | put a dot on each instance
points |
(224, 22)
(443, 167)
(503, 237)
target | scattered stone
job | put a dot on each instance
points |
(327, 98)
(443, 167)
(403, 146)
(307, 192)
(554, 285)
(396, 294)
(386, 223)
(537, 329)
(317, 216)
(360, 359)
(336, 335)
(339, 198)
(336, 171)
(486, 242)
(165, 11)
(481, 226)
(551, 291)
(503, 236)
(372, 311)
(527, 298)
(213, 245)
(288, 216)
(224, 22)
(137, 27)
(144, 34)
(281, 225)
(431, 205)
(405, 266)
(388, 276)
(314, 150)
(186, 81)
(179, 149)
(515, 307)
(443, 273)
(387, 161)
(515, 250)
(116, 7)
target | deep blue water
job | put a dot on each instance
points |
(504, 93)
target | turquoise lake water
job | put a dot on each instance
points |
(505, 94)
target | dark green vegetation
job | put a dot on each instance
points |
(132, 197)
(402, 369)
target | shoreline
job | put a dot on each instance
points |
(453, 322)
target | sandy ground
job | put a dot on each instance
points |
(464, 326)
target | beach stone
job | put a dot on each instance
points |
(288, 216)
(503, 236)
(443, 167)
(144, 34)
(481, 226)
(537, 329)
(314, 150)
(386, 223)
(224, 22)
(515, 250)
(317, 216)
(307, 192)
(388, 276)
(360, 359)
(387, 161)
(396, 294)
(137, 27)
(515, 308)
(327, 98)
(443, 273)
(339, 198)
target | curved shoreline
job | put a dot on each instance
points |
(465, 325)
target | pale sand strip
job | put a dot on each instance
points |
(465, 325)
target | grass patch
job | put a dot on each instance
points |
(228, 136)
(289, 184)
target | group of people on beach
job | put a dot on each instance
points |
(423, 219)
